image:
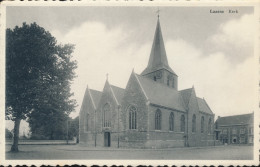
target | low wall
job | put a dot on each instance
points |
(42, 142)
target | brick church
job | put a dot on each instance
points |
(149, 113)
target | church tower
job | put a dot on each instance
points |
(158, 68)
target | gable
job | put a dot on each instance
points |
(186, 93)
(112, 92)
(203, 106)
(134, 88)
(86, 101)
(118, 93)
(95, 95)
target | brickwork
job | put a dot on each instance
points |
(134, 96)
(193, 137)
(107, 98)
(86, 125)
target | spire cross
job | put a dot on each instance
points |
(107, 76)
(158, 12)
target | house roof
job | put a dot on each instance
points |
(96, 95)
(119, 93)
(203, 106)
(236, 119)
(160, 94)
(158, 59)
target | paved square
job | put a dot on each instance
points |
(80, 152)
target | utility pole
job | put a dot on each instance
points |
(118, 126)
(67, 131)
(95, 127)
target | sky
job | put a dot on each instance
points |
(212, 52)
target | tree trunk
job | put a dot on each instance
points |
(14, 147)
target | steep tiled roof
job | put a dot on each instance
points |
(119, 93)
(203, 106)
(160, 94)
(158, 59)
(235, 120)
(186, 95)
(96, 95)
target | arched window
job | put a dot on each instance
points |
(168, 80)
(106, 116)
(132, 117)
(154, 78)
(209, 126)
(171, 122)
(86, 122)
(173, 85)
(158, 117)
(194, 123)
(182, 123)
(202, 125)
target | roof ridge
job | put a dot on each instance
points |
(95, 90)
(185, 89)
(141, 86)
(92, 100)
(113, 93)
(236, 115)
(200, 98)
(207, 105)
(117, 87)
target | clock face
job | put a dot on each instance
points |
(158, 74)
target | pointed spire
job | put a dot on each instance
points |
(158, 59)
(107, 76)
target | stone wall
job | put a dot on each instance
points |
(134, 96)
(86, 129)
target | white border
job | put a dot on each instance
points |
(254, 3)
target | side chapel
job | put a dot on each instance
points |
(149, 113)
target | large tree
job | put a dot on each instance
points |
(38, 76)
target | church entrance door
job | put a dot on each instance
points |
(107, 139)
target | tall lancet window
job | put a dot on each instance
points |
(209, 126)
(106, 115)
(182, 123)
(171, 122)
(173, 84)
(158, 119)
(132, 117)
(87, 122)
(194, 123)
(202, 125)
(168, 80)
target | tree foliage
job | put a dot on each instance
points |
(39, 73)
(74, 128)
(8, 134)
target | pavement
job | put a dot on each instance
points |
(89, 153)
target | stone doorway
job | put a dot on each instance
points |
(107, 139)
